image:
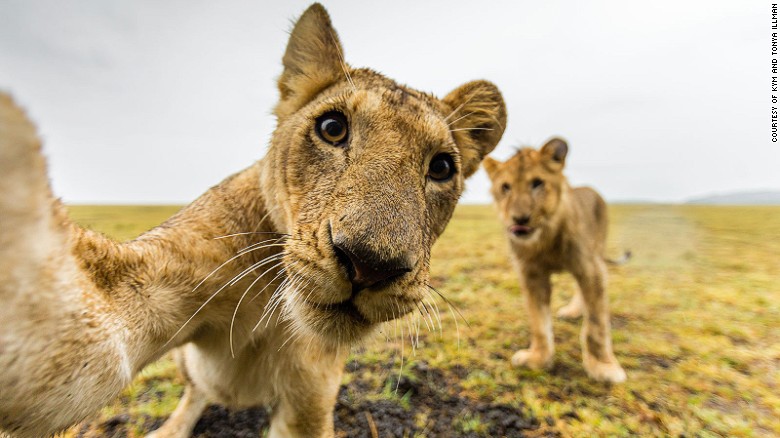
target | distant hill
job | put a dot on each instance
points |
(739, 198)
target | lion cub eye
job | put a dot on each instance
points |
(536, 183)
(505, 188)
(441, 168)
(332, 128)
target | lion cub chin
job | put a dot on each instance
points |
(552, 227)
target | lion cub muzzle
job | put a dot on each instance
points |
(521, 226)
(377, 238)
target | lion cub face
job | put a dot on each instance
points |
(364, 174)
(527, 189)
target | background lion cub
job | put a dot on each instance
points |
(552, 227)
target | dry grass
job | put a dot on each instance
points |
(696, 323)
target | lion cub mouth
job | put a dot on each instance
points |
(521, 230)
(343, 308)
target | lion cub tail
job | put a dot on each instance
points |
(31, 221)
(621, 261)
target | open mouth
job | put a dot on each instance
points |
(521, 230)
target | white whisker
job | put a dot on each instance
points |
(452, 312)
(459, 107)
(233, 320)
(228, 283)
(240, 276)
(215, 271)
(432, 303)
(428, 312)
(281, 272)
(249, 232)
(253, 245)
(450, 304)
(273, 302)
(417, 330)
(460, 118)
(457, 329)
(471, 129)
(411, 332)
(253, 248)
(343, 62)
(421, 313)
(401, 369)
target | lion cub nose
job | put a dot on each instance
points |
(522, 220)
(365, 268)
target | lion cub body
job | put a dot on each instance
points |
(552, 227)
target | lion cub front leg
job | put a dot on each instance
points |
(537, 292)
(596, 335)
(305, 407)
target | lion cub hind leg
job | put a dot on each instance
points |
(183, 419)
(191, 405)
(596, 336)
(574, 308)
(540, 354)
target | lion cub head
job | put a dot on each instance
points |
(528, 189)
(363, 173)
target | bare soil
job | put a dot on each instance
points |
(425, 402)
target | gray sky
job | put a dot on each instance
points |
(152, 101)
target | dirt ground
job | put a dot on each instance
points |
(425, 402)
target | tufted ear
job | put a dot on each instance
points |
(313, 60)
(491, 166)
(477, 121)
(554, 153)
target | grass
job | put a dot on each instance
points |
(696, 323)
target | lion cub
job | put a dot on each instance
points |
(265, 281)
(552, 227)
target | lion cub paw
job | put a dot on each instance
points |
(531, 359)
(570, 311)
(605, 371)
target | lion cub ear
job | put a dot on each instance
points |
(491, 166)
(554, 152)
(313, 61)
(477, 120)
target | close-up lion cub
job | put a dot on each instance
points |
(552, 227)
(266, 280)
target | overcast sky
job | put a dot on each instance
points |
(155, 101)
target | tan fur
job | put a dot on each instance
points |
(82, 314)
(566, 230)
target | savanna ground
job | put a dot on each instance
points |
(696, 325)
